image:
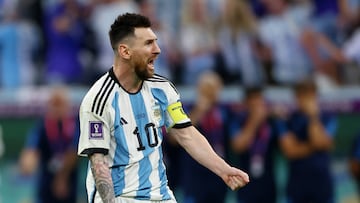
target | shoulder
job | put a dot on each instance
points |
(161, 82)
(97, 96)
(156, 78)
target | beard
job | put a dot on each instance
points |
(141, 68)
(142, 72)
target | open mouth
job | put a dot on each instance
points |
(151, 62)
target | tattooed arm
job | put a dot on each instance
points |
(102, 176)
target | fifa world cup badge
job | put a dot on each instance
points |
(96, 130)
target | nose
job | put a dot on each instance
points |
(156, 49)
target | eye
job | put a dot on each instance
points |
(149, 42)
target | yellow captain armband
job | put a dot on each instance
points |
(176, 113)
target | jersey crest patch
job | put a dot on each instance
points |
(96, 130)
(156, 112)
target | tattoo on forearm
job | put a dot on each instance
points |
(102, 178)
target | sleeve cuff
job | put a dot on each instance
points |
(182, 125)
(91, 151)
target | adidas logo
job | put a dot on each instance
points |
(123, 121)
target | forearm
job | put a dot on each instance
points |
(300, 151)
(199, 149)
(102, 176)
(242, 141)
(295, 149)
(318, 135)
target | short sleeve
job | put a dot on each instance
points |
(175, 115)
(94, 134)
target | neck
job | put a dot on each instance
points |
(127, 77)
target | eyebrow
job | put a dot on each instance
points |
(150, 40)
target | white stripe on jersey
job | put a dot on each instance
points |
(154, 176)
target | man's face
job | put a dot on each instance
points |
(305, 97)
(254, 101)
(144, 51)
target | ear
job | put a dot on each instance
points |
(124, 51)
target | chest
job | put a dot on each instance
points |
(139, 121)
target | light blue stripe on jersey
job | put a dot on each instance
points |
(160, 95)
(162, 174)
(145, 168)
(121, 157)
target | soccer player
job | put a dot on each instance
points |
(122, 118)
(307, 146)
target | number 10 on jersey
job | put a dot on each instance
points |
(151, 135)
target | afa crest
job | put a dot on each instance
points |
(157, 112)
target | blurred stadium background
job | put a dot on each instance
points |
(44, 43)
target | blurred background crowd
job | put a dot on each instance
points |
(254, 42)
(273, 84)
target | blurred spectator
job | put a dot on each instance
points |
(18, 42)
(351, 49)
(32, 10)
(64, 32)
(257, 8)
(103, 14)
(326, 58)
(170, 14)
(197, 40)
(237, 42)
(332, 17)
(2, 146)
(200, 185)
(354, 161)
(52, 145)
(254, 141)
(307, 146)
(281, 31)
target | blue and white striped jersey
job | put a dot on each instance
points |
(128, 128)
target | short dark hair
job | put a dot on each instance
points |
(252, 91)
(305, 86)
(124, 25)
